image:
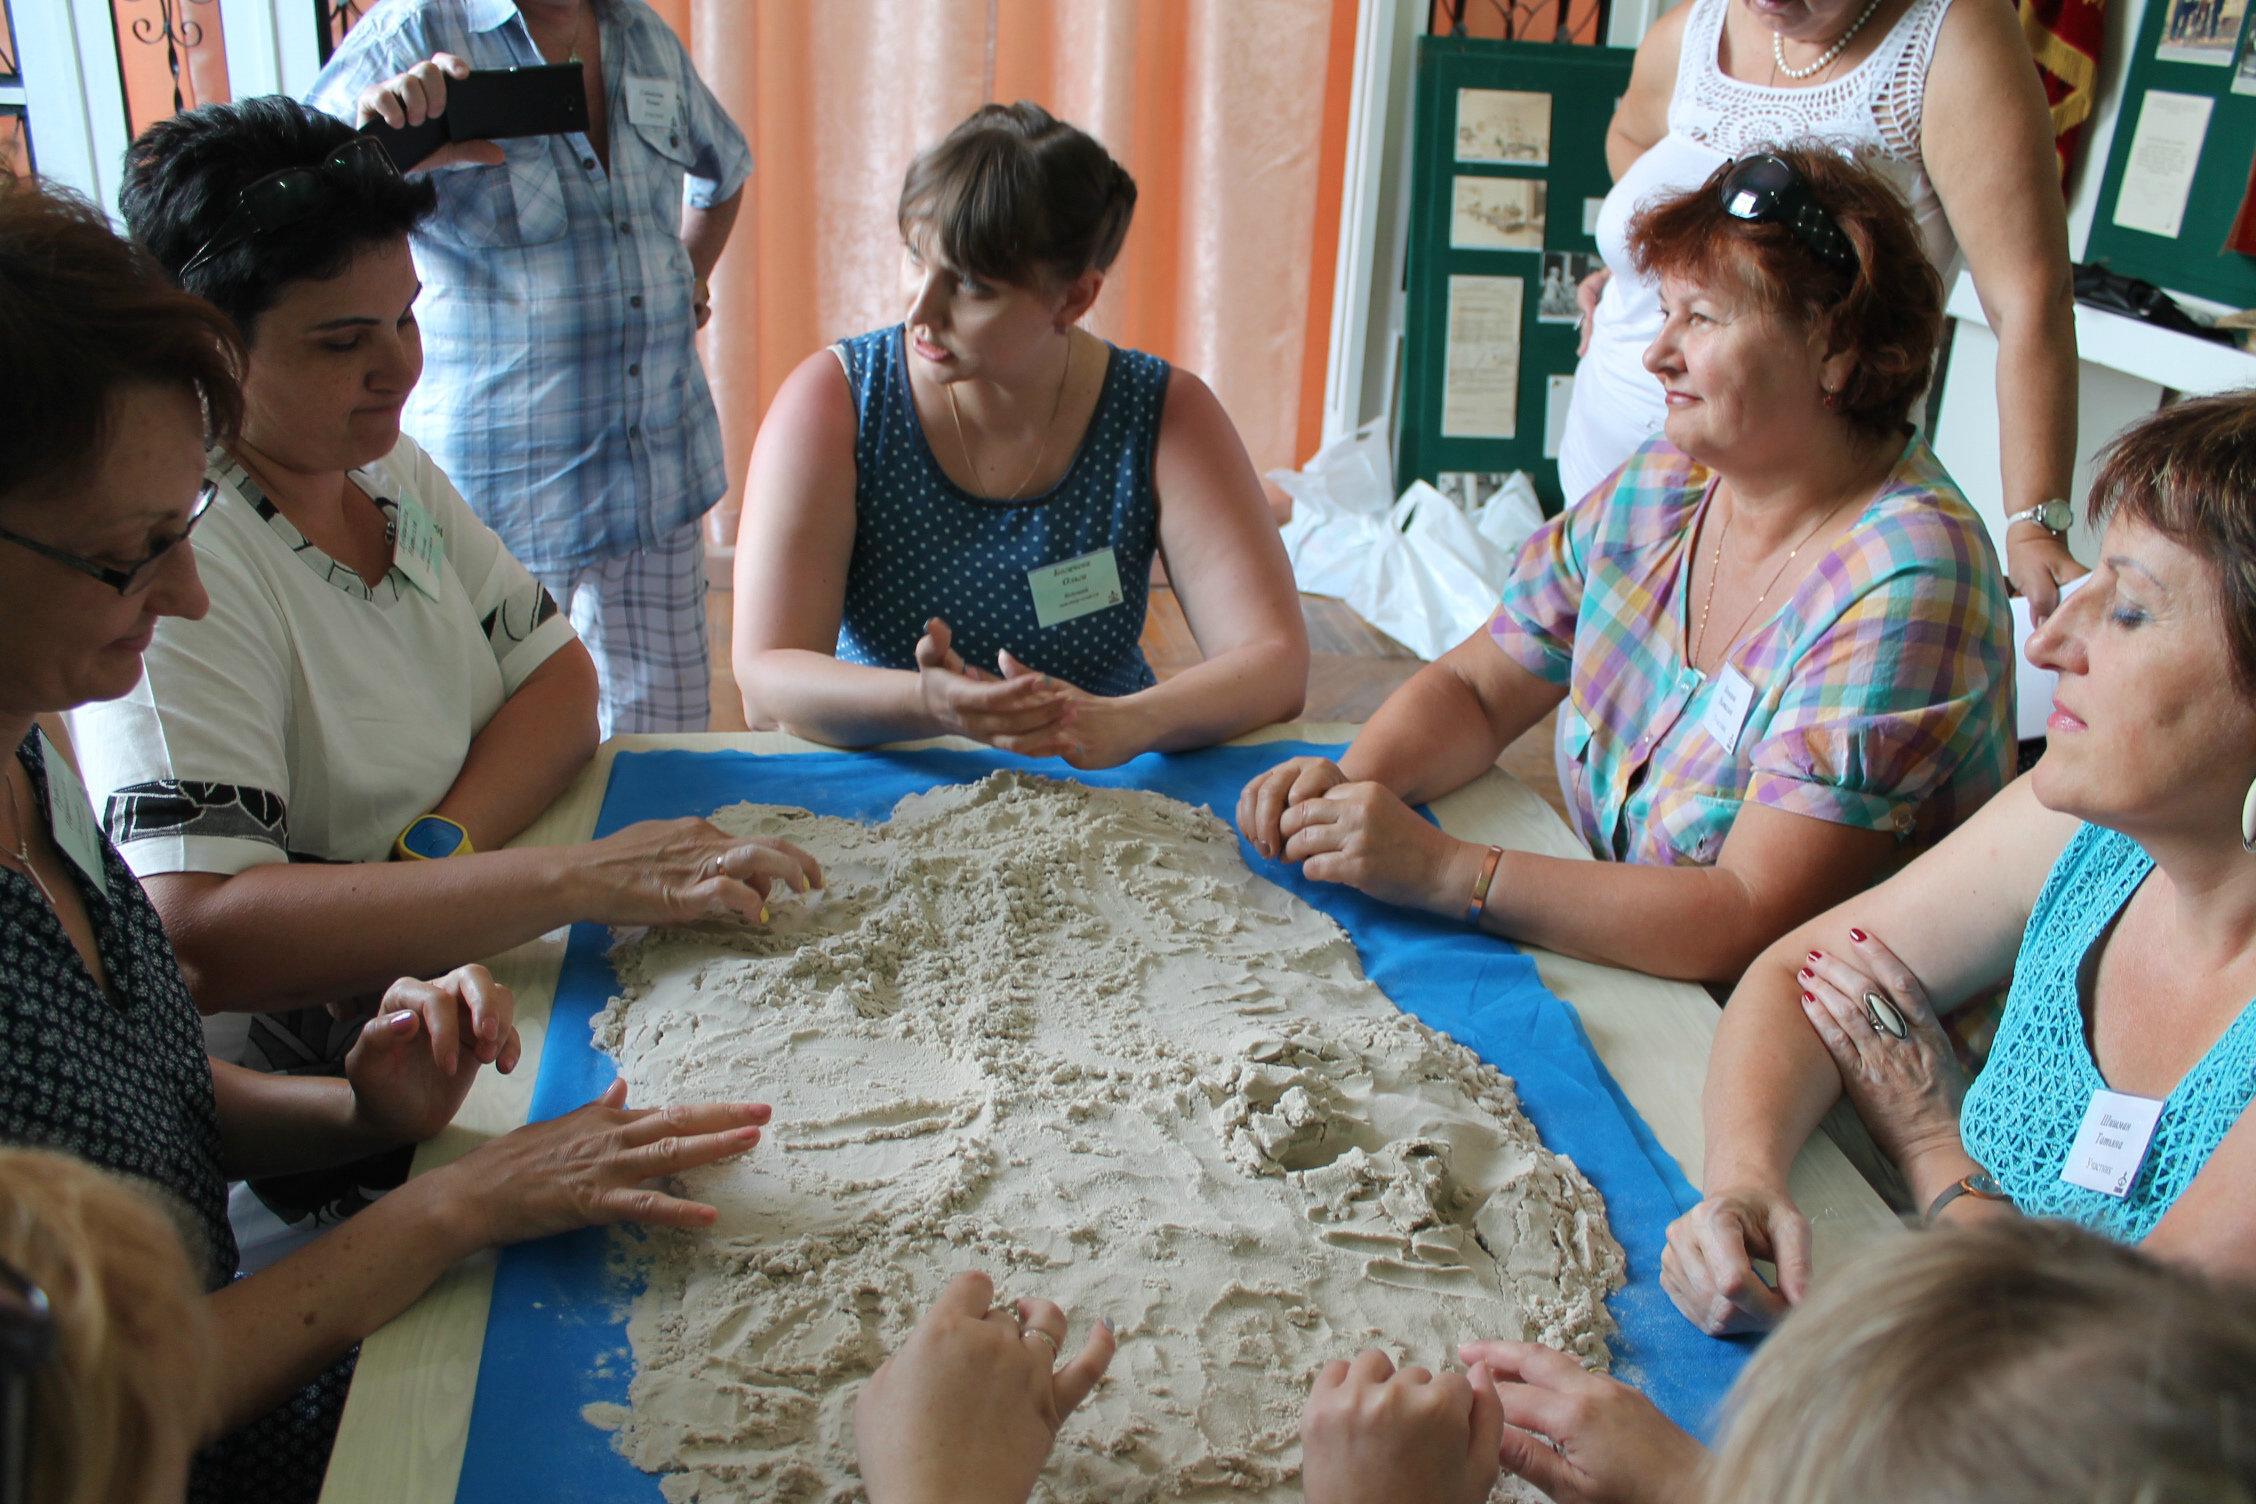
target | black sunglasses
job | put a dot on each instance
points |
(134, 576)
(27, 1343)
(283, 198)
(1766, 189)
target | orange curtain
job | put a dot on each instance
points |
(1228, 112)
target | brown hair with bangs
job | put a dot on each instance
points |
(1889, 310)
(82, 314)
(1013, 193)
(2189, 473)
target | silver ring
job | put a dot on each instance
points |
(1884, 1017)
(716, 866)
(1035, 1331)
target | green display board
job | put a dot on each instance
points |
(2195, 260)
(1509, 166)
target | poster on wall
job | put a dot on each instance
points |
(1563, 272)
(2244, 76)
(1498, 214)
(2201, 31)
(2158, 174)
(1510, 126)
(1480, 384)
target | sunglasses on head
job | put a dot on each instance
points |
(1767, 190)
(283, 198)
(27, 1343)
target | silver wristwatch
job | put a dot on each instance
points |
(2054, 516)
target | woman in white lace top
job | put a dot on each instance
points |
(1940, 96)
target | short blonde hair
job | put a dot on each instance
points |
(128, 1389)
(2014, 1361)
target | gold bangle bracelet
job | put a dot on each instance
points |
(1480, 885)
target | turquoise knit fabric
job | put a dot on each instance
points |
(2024, 1109)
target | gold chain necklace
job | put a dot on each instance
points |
(1041, 453)
(579, 29)
(1715, 571)
(22, 852)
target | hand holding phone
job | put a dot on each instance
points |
(442, 113)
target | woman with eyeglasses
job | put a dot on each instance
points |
(1940, 98)
(114, 381)
(1777, 638)
(315, 777)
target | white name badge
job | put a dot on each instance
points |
(70, 817)
(418, 547)
(1726, 715)
(1075, 587)
(650, 101)
(2111, 1145)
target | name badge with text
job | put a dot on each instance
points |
(418, 547)
(70, 817)
(650, 102)
(1726, 715)
(2111, 1145)
(1075, 587)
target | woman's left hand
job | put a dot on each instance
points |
(1101, 731)
(1372, 1433)
(2038, 563)
(968, 1408)
(1363, 835)
(404, 1089)
(1895, 1061)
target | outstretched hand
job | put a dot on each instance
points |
(1581, 1437)
(1028, 714)
(686, 871)
(417, 95)
(415, 1060)
(968, 1408)
(1373, 1434)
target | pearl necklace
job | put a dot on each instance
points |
(1825, 59)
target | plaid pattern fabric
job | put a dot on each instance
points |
(560, 388)
(643, 619)
(1882, 689)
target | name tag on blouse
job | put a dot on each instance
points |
(418, 547)
(1075, 587)
(70, 817)
(2111, 1146)
(650, 102)
(1726, 715)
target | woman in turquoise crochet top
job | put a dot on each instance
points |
(949, 524)
(2115, 885)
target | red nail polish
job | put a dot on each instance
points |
(1805, 973)
(1807, 998)
(1858, 936)
(1817, 955)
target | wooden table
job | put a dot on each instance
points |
(408, 1417)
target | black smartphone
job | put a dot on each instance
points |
(493, 104)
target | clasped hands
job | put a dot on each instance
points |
(1359, 834)
(1021, 710)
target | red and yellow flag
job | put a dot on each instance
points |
(2064, 37)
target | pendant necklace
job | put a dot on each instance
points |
(1057, 405)
(1715, 571)
(1825, 58)
(22, 851)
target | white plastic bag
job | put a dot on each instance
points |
(1434, 580)
(1340, 505)
(1510, 517)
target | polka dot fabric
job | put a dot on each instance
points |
(2023, 1111)
(925, 547)
(125, 1086)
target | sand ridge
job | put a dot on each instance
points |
(1063, 1034)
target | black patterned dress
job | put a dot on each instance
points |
(124, 1085)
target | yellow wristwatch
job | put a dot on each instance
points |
(431, 838)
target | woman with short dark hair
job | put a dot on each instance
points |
(949, 525)
(316, 778)
(123, 378)
(2113, 886)
(1776, 638)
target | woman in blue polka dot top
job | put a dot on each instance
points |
(949, 524)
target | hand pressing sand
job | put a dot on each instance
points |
(1064, 1035)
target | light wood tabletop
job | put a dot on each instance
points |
(408, 1417)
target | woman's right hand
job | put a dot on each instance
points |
(1582, 1437)
(686, 871)
(1708, 1267)
(1028, 714)
(1263, 802)
(2039, 564)
(1587, 293)
(590, 1167)
(415, 96)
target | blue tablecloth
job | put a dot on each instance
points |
(556, 1337)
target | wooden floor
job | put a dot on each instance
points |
(1352, 668)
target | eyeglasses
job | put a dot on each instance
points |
(133, 577)
(283, 198)
(27, 1343)
(1766, 189)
